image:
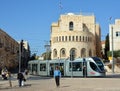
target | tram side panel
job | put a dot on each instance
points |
(52, 65)
(74, 68)
(30, 68)
(33, 67)
(43, 68)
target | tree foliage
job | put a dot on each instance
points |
(47, 55)
(106, 46)
(33, 57)
(115, 53)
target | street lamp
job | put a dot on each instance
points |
(20, 54)
(112, 50)
(72, 56)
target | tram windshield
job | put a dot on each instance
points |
(99, 63)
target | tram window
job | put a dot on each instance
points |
(34, 67)
(76, 66)
(29, 66)
(93, 66)
(42, 67)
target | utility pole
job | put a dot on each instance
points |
(19, 58)
(112, 44)
(20, 54)
(112, 50)
(72, 56)
(47, 47)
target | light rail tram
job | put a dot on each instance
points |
(91, 66)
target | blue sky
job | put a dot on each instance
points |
(30, 20)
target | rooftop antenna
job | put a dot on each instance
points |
(60, 6)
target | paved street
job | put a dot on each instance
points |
(37, 83)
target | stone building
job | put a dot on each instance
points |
(25, 55)
(8, 50)
(77, 34)
(114, 35)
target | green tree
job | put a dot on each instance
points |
(106, 46)
(47, 55)
(115, 53)
(33, 57)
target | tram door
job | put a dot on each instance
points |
(53, 66)
(61, 67)
(84, 68)
(51, 69)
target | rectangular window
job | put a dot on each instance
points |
(86, 39)
(62, 38)
(76, 38)
(83, 38)
(43, 67)
(34, 68)
(117, 34)
(69, 38)
(59, 38)
(65, 38)
(73, 38)
(75, 66)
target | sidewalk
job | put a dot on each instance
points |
(37, 83)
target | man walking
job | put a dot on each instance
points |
(20, 78)
(57, 76)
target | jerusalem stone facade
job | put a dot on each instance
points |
(8, 51)
(77, 34)
(114, 30)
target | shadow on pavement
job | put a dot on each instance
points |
(14, 87)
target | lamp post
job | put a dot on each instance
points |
(20, 54)
(19, 58)
(72, 56)
(112, 50)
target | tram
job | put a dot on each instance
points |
(91, 66)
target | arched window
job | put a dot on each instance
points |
(83, 52)
(73, 52)
(90, 52)
(54, 53)
(71, 26)
(62, 52)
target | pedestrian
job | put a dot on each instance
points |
(26, 74)
(20, 78)
(57, 76)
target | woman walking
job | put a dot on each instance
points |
(57, 76)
